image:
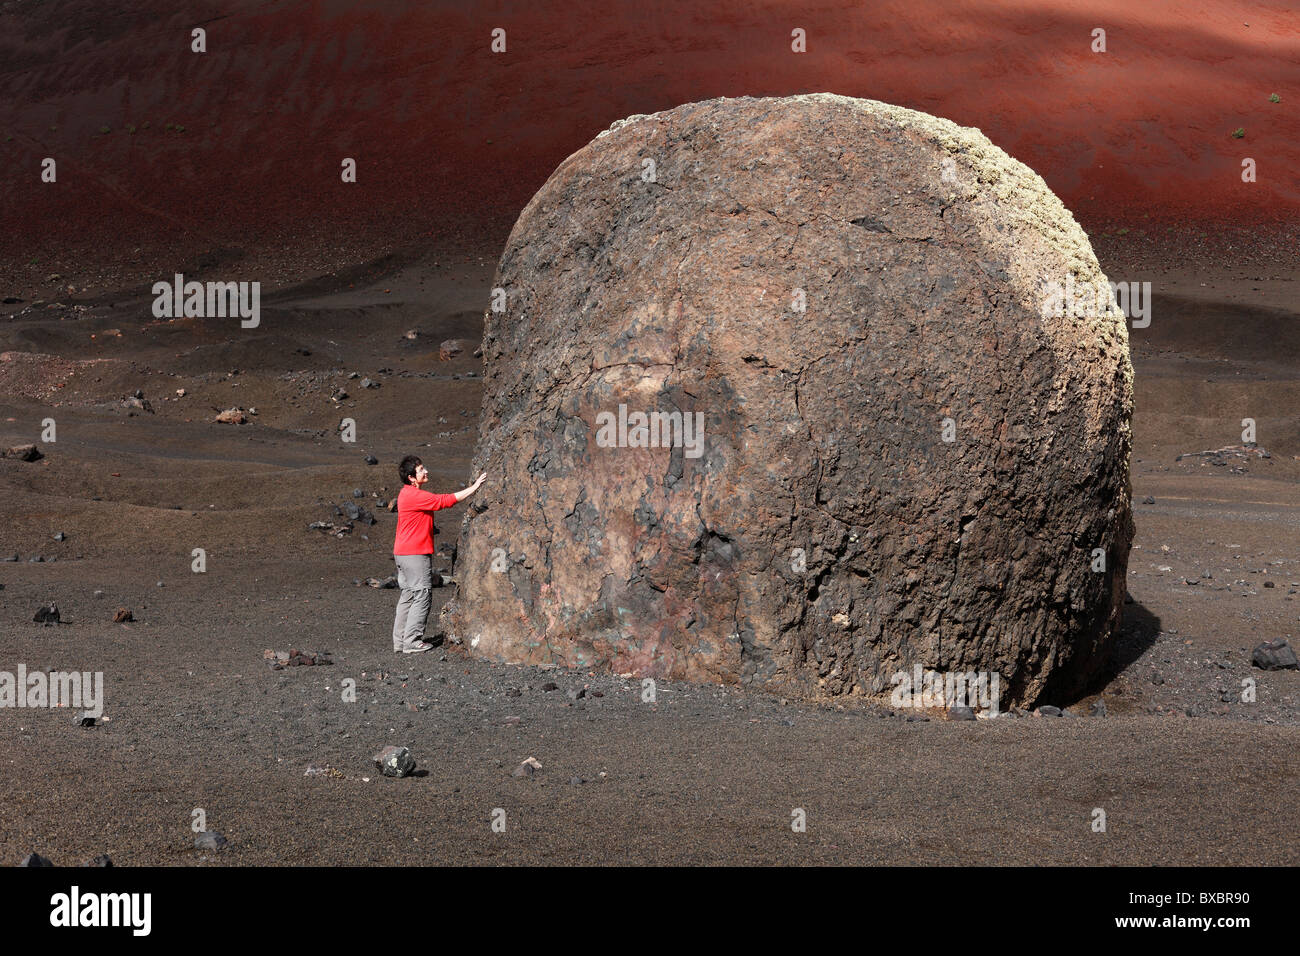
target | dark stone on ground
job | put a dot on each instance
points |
(1275, 655)
(394, 761)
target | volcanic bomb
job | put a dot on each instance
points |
(776, 394)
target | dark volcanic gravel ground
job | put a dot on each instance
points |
(197, 718)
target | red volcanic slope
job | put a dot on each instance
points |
(451, 138)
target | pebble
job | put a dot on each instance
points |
(47, 614)
(526, 769)
(395, 761)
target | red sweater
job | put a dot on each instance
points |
(415, 510)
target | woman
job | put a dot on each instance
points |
(413, 552)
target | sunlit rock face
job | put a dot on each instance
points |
(784, 392)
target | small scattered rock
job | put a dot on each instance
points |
(358, 493)
(371, 460)
(550, 685)
(1148, 500)
(24, 453)
(84, 720)
(35, 859)
(1047, 710)
(297, 658)
(395, 761)
(231, 416)
(529, 767)
(60, 536)
(384, 583)
(369, 383)
(1269, 584)
(961, 713)
(1098, 708)
(576, 781)
(123, 615)
(102, 861)
(48, 614)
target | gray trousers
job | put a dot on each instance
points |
(415, 578)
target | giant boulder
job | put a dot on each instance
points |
(913, 447)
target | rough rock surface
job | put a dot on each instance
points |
(821, 281)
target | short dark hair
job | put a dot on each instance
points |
(407, 468)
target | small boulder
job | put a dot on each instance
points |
(231, 416)
(1275, 655)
